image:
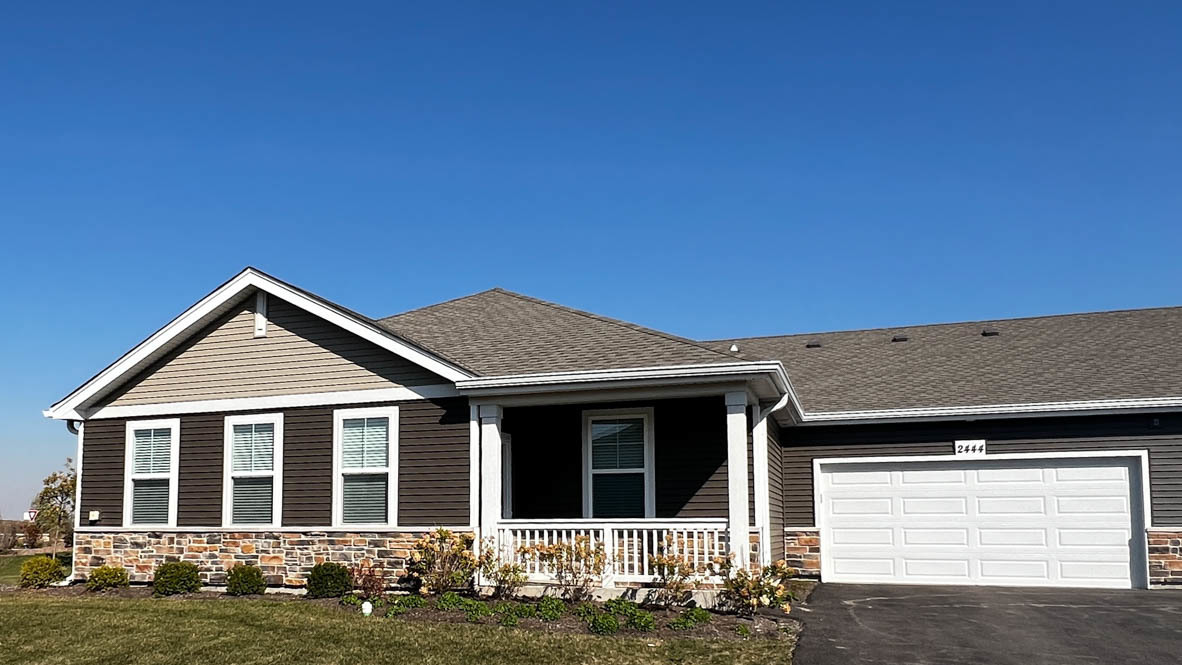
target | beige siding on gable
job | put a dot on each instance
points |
(301, 353)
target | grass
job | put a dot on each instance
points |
(10, 568)
(78, 630)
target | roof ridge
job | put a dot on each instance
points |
(442, 302)
(618, 322)
(946, 323)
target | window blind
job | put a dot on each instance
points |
(252, 500)
(617, 443)
(364, 498)
(253, 447)
(365, 443)
(153, 450)
(149, 500)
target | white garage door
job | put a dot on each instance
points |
(1030, 522)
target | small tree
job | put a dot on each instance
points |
(55, 503)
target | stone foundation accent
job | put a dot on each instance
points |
(284, 557)
(802, 550)
(1165, 557)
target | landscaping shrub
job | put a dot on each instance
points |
(329, 580)
(576, 566)
(689, 618)
(744, 591)
(642, 621)
(743, 630)
(506, 578)
(676, 575)
(41, 571)
(551, 608)
(351, 600)
(621, 607)
(175, 577)
(9, 538)
(449, 601)
(369, 580)
(244, 580)
(475, 610)
(443, 561)
(603, 623)
(32, 534)
(409, 602)
(107, 577)
(508, 619)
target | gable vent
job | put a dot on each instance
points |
(899, 338)
(812, 345)
(989, 332)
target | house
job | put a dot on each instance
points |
(268, 425)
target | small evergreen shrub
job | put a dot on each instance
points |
(604, 623)
(328, 579)
(173, 577)
(642, 621)
(245, 580)
(41, 571)
(551, 608)
(107, 577)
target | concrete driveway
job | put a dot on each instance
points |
(848, 624)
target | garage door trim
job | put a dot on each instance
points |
(1141, 456)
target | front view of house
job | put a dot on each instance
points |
(267, 425)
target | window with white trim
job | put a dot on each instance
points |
(365, 467)
(252, 488)
(618, 464)
(150, 472)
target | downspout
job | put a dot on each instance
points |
(764, 413)
(72, 426)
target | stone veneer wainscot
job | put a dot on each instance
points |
(1165, 557)
(284, 557)
(802, 551)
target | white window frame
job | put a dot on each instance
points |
(338, 486)
(650, 495)
(130, 476)
(275, 474)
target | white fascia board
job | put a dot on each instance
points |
(192, 318)
(1086, 407)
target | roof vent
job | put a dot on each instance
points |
(899, 338)
(734, 348)
(989, 332)
(812, 345)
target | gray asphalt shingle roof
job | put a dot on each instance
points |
(499, 332)
(1075, 357)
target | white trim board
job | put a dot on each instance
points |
(400, 394)
(211, 306)
(390, 529)
(1084, 407)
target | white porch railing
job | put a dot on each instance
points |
(627, 543)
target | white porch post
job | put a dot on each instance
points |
(762, 499)
(490, 472)
(736, 475)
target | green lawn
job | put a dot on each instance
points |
(10, 568)
(78, 630)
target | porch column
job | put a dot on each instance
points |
(490, 471)
(762, 500)
(736, 475)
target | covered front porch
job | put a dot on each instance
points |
(640, 477)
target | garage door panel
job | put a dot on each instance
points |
(1045, 522)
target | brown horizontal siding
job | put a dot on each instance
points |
(434, 463)
(101, 473)
(1161, 435)
(301, 353)
(690, 452)
(775, 489)
(433, 471)
(199, 479)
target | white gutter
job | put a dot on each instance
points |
(997, 410)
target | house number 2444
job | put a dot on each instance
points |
(972, 448)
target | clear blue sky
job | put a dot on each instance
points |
(708, 169)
